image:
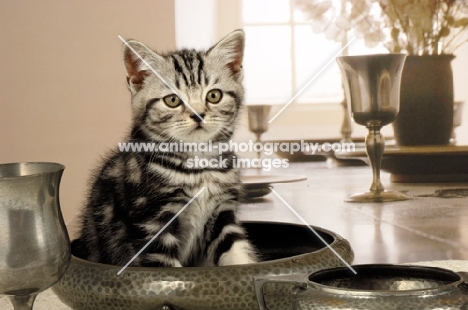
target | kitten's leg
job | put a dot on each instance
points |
(229, 244)
(164, 228)
(160, 260)
(163, 251)
(241, 252)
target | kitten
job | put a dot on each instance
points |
(134, 194)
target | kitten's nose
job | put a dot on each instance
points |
(198, 118)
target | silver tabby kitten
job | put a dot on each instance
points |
(135, 194)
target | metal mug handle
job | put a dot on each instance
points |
(299, 280)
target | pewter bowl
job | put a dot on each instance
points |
(373, 287)
(286, 249)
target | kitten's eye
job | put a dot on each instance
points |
(214, 96)
(172, 101)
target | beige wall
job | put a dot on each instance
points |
(63, 94)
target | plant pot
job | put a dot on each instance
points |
(426, 101)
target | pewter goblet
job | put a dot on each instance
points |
(372, 87)
(34, 244)
(258, 120)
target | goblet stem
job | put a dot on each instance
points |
(259, 154)
(375, 146)
(24, 302)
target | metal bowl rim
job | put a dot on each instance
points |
(452, 286)
(337, 239)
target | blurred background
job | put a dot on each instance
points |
(63, 94)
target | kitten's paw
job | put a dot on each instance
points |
(241, 252)
(161, 260)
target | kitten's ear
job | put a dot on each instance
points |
(137, 70)
(230, 50)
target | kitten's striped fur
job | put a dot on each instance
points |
(135, 194)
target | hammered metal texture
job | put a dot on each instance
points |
(90, 286)
(384, 287)
(454, 300)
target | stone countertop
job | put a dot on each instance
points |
(47, 300)
(427, 227)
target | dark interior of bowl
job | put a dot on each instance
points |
(281, 240)
(385, 278)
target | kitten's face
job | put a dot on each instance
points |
(200, 96)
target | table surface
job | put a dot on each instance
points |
(424, 228)
(420, 229)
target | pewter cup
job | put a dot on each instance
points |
(374, 287)
(34, 243)
(258, 118)
(258, 121)
(372, 87)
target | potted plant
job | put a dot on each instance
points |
(429, 31)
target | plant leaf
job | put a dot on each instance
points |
(462, 22)
(444, 31)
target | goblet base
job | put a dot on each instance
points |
(23, 302)
(377, 196)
